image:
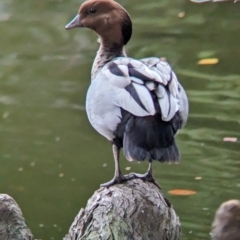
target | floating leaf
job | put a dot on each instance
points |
(5, 115)
(182, 192)
(208, 61)
(163, 59)
(229, 139)
(181, 14)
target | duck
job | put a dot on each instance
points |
(226, 224)
(137, 105)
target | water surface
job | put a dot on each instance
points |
(51, 158)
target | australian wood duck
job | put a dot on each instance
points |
(138, 105)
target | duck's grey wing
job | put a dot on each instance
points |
(146, 87)
(169, 78)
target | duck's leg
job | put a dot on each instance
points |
(148, 176)
(118, 177)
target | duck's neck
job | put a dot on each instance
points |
(106, 53)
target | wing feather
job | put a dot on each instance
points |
(136, 82)
(125, 100)
(145, 97)
(164, 106)
(160, 91)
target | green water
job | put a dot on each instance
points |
(51, 158)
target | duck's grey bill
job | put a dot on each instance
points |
(74, 23)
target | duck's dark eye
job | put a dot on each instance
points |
(92, 10)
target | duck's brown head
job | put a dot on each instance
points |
(107, 18)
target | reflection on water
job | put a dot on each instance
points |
(49, 153)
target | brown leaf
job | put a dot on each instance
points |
(181, 14)
(182, 192)
(208, 61)
(230, 139)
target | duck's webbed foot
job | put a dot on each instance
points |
(145, 177)
(148, 177)
(116, 179)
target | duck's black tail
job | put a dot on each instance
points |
(149, 138)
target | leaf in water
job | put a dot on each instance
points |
(229, 139)
(5, 115)
(208, 61)
(181, 14)
(163, 59)
(198, 178)
(182, 192)
(61, 174)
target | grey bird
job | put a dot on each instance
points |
(138, 105)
